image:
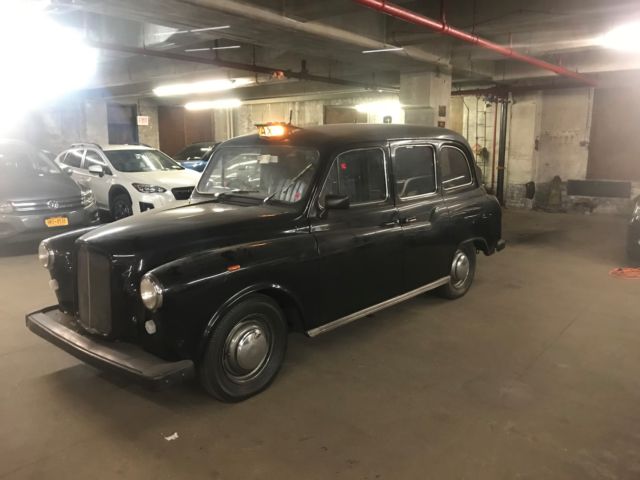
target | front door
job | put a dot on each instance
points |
(360, 247)
(422, 214)
(99, 185)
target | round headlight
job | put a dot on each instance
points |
(151, 292)
(46, 255)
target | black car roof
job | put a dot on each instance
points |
(336, 135)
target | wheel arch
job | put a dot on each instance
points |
(478, 243)
(117, 189)
(285, 298)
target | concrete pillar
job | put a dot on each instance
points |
(425, 97)
(149, 134)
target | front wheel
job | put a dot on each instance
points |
(463, 269)
(121, 206)
(245, 350)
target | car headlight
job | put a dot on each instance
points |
(6, 207)
(46, 255)
(87, 198)
(146, 188)
(151, 292)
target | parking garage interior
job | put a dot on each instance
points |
(531, 374)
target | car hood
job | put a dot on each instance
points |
(167, 178)
(165, 235)
(36, 187)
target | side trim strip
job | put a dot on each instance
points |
(376, 308)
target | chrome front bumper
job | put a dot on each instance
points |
(123, 359)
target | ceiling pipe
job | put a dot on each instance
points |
(445, 29)
(247, 67)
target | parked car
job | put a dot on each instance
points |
(289, 230)
(196, 156)
(633, 234)
(36, 198)
(128, 179)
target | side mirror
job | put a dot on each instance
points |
(336, 202)
(96, 170)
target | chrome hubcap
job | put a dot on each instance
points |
(247, 350)
(459, 269)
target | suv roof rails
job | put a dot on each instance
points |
(86, 144)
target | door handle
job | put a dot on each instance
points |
(407, 220)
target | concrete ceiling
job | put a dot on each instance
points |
(331, 35)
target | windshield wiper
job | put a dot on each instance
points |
(235, 191)
(290, 184)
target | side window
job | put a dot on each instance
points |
(73, 158)
(93, 158)
(415, 172)
(360, 174)
(454, 167)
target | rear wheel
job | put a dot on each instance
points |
(121, 206)
(245, 351)
(463, 269)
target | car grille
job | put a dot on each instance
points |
(94, 291)
(182, 193)
(48, 206)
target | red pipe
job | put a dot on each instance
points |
(446, 29)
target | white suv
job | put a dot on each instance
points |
(128, 179)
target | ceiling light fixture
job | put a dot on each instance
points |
(195, 30)
(214, 104)
(378, 50)
(211, 48)
(625, 38)
(207, 86)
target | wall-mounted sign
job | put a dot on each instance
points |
(143, 120)
(442, 111)
(441, 124)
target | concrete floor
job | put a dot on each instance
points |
(534, 374)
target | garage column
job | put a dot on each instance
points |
(425, 98)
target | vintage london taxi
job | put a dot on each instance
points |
(289, 229)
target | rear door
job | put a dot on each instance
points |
(422, 214)
(464, 198)
(360, 247)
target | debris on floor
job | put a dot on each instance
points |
(172, 437)
(628, 273)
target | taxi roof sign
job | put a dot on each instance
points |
(275, 129)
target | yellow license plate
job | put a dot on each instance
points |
(57, 222)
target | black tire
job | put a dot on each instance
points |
(459, 283)
(121, 206)
(220, 372)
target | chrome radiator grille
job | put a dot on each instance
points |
(94, 291)
(39, 206)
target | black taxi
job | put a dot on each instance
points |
(289, 229)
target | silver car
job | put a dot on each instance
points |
(38, 199)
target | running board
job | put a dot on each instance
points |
(376, 308)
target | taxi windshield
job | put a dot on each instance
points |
(270, 173)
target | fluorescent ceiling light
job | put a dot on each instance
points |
(195, 30)
(211, 48)
(207, 86)
(213, 104)
(625, 38)
(390, 49)
(381, 107)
